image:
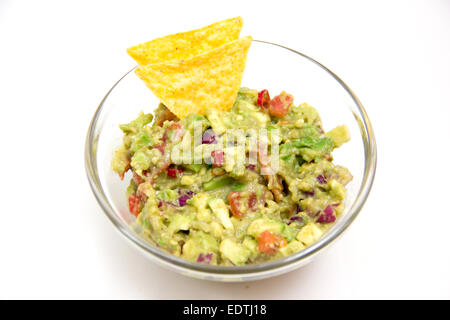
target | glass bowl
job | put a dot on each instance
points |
(269, 66)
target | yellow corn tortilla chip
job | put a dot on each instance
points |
(209, 80)
(185, 45)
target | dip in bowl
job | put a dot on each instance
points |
(268, 66)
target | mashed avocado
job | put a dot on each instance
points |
(211, 207)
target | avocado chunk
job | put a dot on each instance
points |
(311, 148)
(263, 224)
(215, 119)
(139, 141)
(337, 190)
(292, 247)
(250, 244)
(339, 135)
(198, 243)
(139, 122)
(121, 160)
(288, 233)
(179, 222)
(309, 234)
(141, 160)
(220, 210)
(200, 202)
(252, 114)
(235, 252)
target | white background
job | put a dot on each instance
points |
(58, 59)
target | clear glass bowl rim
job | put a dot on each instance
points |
(254, 271)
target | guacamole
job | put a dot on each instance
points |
(210, 207)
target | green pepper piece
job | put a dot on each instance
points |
(139, 122)
(193, 167)
(217, 183)
(238, 187)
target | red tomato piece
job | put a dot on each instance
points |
(137, 178)
(263, 99)
(263, 153)
(160, 147)
(252, 201)
(134, 204)
(176, 125)
(174, 132)
(159, 170)
(279, 105)
(269, 242)
(172, 172)
(217, 157)
(122, 175)
(175, 129)
(234, 198)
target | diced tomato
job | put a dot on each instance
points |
(134, 204)
(217, 157)
(146, 172)
(142, 192)
(122, 175)
(164, 137)
(234, 198)
(267, 171)
(160, 170)
(252, 201)
(173, 172)
(269, 242)
(263, 153)
(176, 133)
(178, 128)
(279, 105)
(160, 147)
(137, 178)
(263, 99)
(176, 125)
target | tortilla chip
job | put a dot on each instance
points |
(209, 80)
(185, 45)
